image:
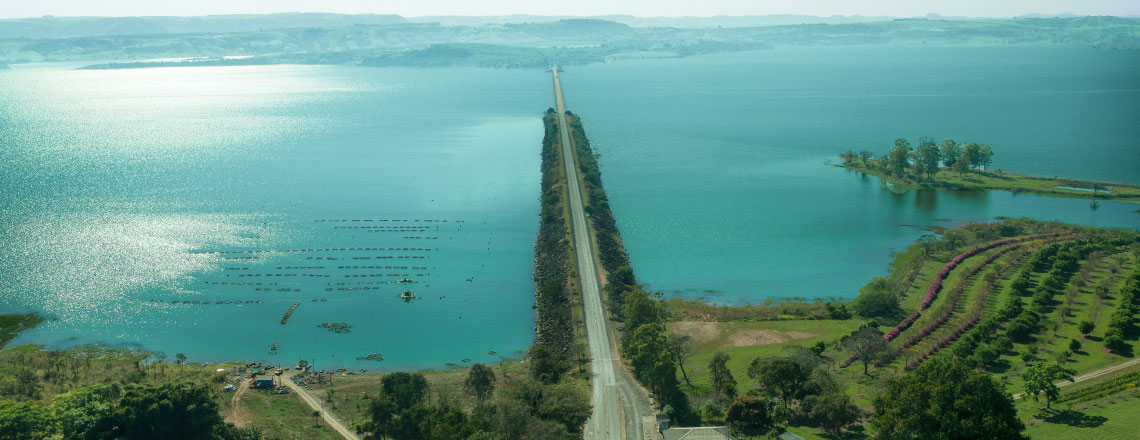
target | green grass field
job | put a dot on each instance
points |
(284, 416)
(1118, 420)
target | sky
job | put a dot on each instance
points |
(644, 8)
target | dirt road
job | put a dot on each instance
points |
(316, 405)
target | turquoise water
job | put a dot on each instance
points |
(718, 170)
(124, 191)
(119, 187)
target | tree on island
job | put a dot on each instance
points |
(946, 400)
(950, 152)
(926, 159)
(864, 155)
(899, 158)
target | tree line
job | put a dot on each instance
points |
(925, 159)
(537, 405)
(611, 252)
(554, 322)
(170, 410)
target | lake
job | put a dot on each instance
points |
(130, 199)
(719, 171)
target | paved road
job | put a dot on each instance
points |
(315, 404)
(1093, 375)
(619, 405)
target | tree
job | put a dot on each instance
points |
(926, 160)
(682, 349)
(404, 389)
(848, 157)
(864, 155)
(899, 158)
(546, 365)
(330, 393)
(972, 153)
(749, 414)
(180, 358)
(962, 165)
(25, 420)
(381, 410)
(722, 380)
(1115, 342)
(778, 376)
(1074, 345)
(186, 411)
(876, 299)
(985, 156)
(652, 359)
(833, 411)
(565, 403)
(986, 355)
(945, 400)
(638, 309)
(1086, 327)
(480, 382)
(317, 418)
(86, 413)
(1039, 379)
(950, 152)
(865, 343)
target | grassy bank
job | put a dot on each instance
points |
(12, 325)
(1001, 181)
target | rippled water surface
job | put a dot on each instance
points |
(185, 210)
(717, 166)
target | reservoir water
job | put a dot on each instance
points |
(130, 199)
(717, 167)
(126, 194)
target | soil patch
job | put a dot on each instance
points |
(699, 331)
(748, 338)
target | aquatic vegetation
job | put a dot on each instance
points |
(336, 327)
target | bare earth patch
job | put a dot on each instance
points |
(700, 331)
(748, 338)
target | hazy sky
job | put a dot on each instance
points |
(409, 8)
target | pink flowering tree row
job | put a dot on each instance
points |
(936, 284)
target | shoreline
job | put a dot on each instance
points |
(1004, 181)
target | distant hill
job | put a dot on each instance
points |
(539, 44)
(69, 27)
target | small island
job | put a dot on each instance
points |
(965, 166)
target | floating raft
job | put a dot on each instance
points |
(289, 313)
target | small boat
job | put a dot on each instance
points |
(408, 295)
(406, 280)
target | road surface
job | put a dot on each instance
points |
(315, 404)
(620, 407)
